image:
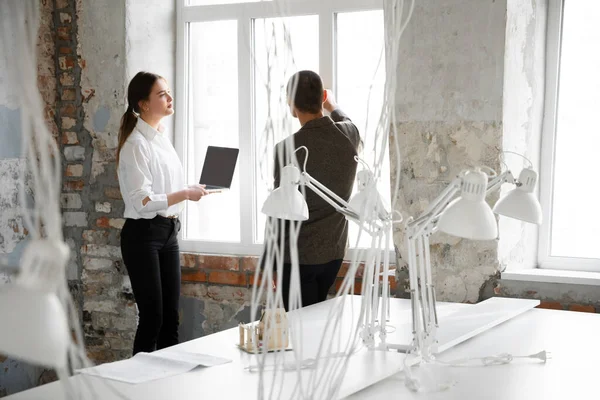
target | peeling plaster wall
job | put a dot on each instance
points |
(523, 113)
(14, 375)
(12, 231)
(104, 92)
(450, 118)
(135, 35)
(108, 312)
(469, 89)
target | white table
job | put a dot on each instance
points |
(572, 338)
(233, 380)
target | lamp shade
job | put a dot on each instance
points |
(469, 216)
(367, 202)
(34, 326)
(520, 203)
(286, 202)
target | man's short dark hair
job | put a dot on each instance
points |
(309, 91)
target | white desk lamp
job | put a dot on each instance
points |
(467, 216)
(286, 202)
(520, 203)
(36, 327)
(36, 308)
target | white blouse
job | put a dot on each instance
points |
(149, 167)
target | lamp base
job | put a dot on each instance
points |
(271, 333)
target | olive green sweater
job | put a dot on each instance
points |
(332, 144)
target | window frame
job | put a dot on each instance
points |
(245, 13)
(553, 58)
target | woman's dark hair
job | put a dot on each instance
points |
(139, 89)
(308, 97)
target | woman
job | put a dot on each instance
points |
(152, 185)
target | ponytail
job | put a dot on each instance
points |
(138, 90)
(128, 122)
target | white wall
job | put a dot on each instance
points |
(150, 41)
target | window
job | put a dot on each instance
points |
(569, 239)
(225, 58)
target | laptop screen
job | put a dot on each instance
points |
(219, 166)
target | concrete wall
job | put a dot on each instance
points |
(450, 97)
(472, 81)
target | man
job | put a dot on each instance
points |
(332, 144)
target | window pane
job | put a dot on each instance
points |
(213, 120)
(575, 224)
(270, 50)
(360, 86)
(214, 2)
(575, 231)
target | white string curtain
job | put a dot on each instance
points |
(318, 360)
(318, 371)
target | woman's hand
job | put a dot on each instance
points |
(196, 192)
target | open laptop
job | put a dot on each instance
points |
(218, 168)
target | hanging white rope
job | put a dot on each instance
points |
(39, 301)
(317, 376)
(320, 376)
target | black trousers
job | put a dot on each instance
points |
(151, 255)
(315, 281)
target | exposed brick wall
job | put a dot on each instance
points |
(216, 293)
(217, 290)
(215, 269)
(555, 305)
(46, 67)
(69, 121)
(91, 202)
(240, 271)
(552, 296)
(358, 279)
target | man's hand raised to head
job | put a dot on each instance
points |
(329, 103)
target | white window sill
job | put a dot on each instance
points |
(553, 276)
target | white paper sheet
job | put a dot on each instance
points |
(144, 367)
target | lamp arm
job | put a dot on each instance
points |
(422, 290)
(431, 214)
(426, 221)
(339, 204)
(336, 201)
(497, 182)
